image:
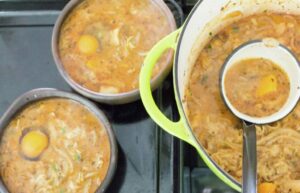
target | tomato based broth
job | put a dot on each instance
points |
(102, 44)
(257, 87)
(219, 131)
(54, 145)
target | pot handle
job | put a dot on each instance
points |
(174, 128)
(177, 129)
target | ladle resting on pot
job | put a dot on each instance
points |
(279, 63)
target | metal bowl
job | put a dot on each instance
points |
(46, 93)
(120, 98)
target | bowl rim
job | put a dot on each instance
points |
(46, 93)
(120, 98)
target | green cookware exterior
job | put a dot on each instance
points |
(181, 128)
(174, 128)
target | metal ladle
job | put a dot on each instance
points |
(268, 49)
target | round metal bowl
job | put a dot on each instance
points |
(120, 98)
(46, 93)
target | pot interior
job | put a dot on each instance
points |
(207, 19)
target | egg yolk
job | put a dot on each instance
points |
(267, 188)
(87, 44)
(92, 63)
(34, 143)
(267, 85)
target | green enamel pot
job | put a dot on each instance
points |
(206, 19)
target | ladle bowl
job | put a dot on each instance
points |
(280, 55)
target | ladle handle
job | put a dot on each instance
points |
(249, 158)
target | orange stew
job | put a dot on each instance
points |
(219, 131)
(257, 87)
(102, 44)
(54, 146)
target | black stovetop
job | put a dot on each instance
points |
(150, 161)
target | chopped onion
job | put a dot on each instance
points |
(115, 37)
